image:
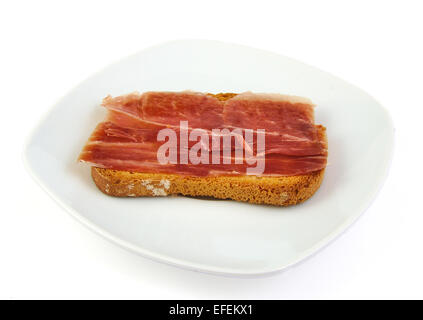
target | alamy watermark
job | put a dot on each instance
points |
(216, 146)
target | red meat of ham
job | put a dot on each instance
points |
(127, 139)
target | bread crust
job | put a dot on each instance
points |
(271, 190)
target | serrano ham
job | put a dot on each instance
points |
(127, 139)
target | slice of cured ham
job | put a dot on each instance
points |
(127, 139)
(169, 108)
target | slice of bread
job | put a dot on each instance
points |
(279, 191)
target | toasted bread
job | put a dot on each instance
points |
(279, 191)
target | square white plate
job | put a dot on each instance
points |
(217, 236)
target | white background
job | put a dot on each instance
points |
(48, 47)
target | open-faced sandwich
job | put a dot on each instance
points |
(258, 148)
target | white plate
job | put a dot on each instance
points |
(217, 236)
